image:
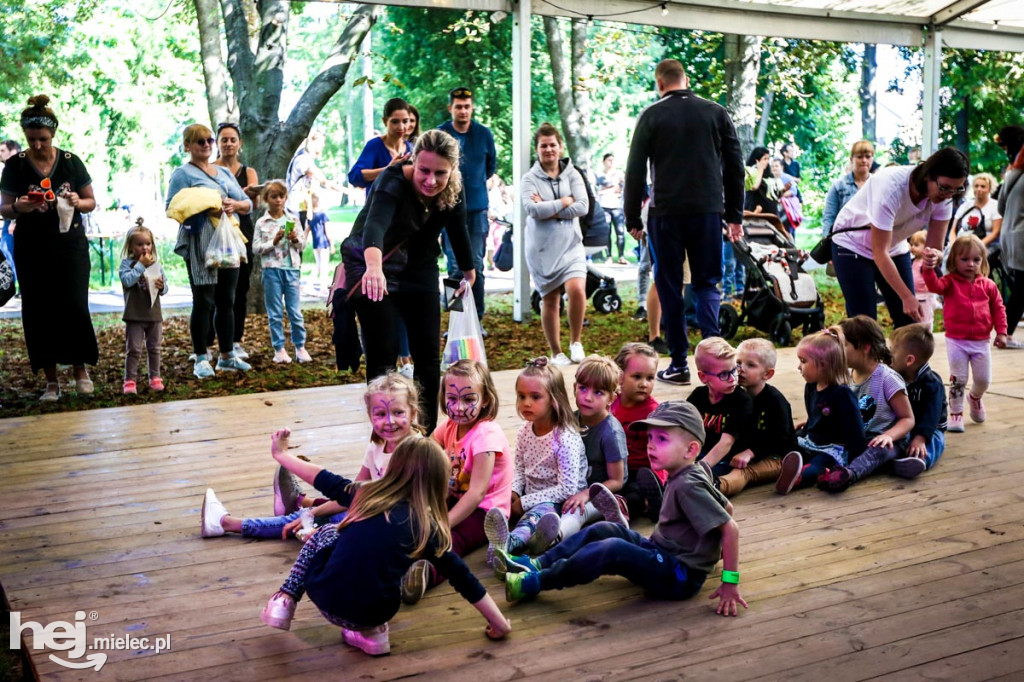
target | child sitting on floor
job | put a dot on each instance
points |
(771, 427)
(604, 444)
(352, 571)
(638, 364)
(391, 404)
(882, 398)
(695, 528)
(912, 348)
(481, 462)
(833, 432)
(726, 411)
(550, 466)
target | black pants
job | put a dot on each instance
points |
(421, 312)
(206, 298)
(1015, 304)
(242, 293)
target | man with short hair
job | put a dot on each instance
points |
(696, 169)
(8, 148)
(478, 162)
(790, 165)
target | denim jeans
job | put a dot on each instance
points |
(7, 246)
(697, 237)
(643, 272)
(477, 226)
(272, 526)
(610, 549)
(278, 284)
(858, 276)
(528, 524)
(733, 272)
(934, 448)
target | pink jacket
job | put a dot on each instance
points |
(970, 309)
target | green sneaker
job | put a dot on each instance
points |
(505, 563)
(514, 586)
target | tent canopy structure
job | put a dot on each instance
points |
(995, 25)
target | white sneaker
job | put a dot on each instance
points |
(496, 530)
(213, 512)
(1014, 344)
(576, 353)
(407, 370)
(372, 641)
(279, 611)
(561, 361)
(202, 369)
(281, 356)
(239, 352)
(302, 355)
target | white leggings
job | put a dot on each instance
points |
(967, 357)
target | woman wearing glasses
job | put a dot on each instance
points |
(870, 246)
(47, 190)
(211, 287)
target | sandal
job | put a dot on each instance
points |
(51, 394)
(84, 386)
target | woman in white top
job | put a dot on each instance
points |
(870, 247)
(981, 217)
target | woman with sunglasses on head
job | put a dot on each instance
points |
(47, 190)
(869, 244)
(229, 144)
(212, 288)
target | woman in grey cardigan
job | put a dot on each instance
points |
(1011, 236)
(554, 197)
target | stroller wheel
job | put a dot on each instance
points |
(728, 321)
(606, 301)
(780, 330)
(815, 324)
(535, 299)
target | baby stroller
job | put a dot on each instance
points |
(600, 287)
(779, 294)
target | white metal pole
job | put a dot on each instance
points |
(520, 152)
(932, 83)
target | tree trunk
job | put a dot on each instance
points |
(868, 92)
(742, 64)
(218, 98)
(257, 79)
(569, 75)
(766, 116)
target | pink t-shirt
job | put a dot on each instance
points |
(485, 436)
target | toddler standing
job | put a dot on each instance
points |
(927, 299)
(279, 244)
(971, 308)
(317, 226)
(144, 321)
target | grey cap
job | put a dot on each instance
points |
(674, 413)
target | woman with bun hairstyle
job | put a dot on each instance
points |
(47, 190)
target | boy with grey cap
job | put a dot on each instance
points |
(695, 528)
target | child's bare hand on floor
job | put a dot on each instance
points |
(279, 442)
(498, 630)
(728, 596)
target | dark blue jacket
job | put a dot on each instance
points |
(928, 401)
(477, 162)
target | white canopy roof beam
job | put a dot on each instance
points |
(932, 82)
(955, 11)
(963, 36)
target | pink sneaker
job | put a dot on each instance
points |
(955, 424)
(279, 611)
(156, 384)
(372, 641)
(129, 388)
(977, 408)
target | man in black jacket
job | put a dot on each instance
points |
(696, 169)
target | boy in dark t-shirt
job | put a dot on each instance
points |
(771, 433)
(912, 348)
(695, 528)
(725, 410)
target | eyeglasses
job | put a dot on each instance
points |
(725, 375)
(950, 191)
(205, 141)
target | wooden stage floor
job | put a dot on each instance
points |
(894, 579)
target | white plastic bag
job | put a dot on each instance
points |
(465, 337)
(227, 248)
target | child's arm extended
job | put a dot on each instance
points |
(741, 459)
(729, 593)
(935, 284)
(497, 624)
(479, 482)
(307, 471)
(721, 449)
(900, 405)
(616, 472)
(998, 311)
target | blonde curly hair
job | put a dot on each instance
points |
(444, 145)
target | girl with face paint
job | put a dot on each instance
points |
(392, 406)
(481, 462)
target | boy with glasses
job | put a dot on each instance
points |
(725, 410)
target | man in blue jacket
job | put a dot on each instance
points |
(696, 169)
(478, 162)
